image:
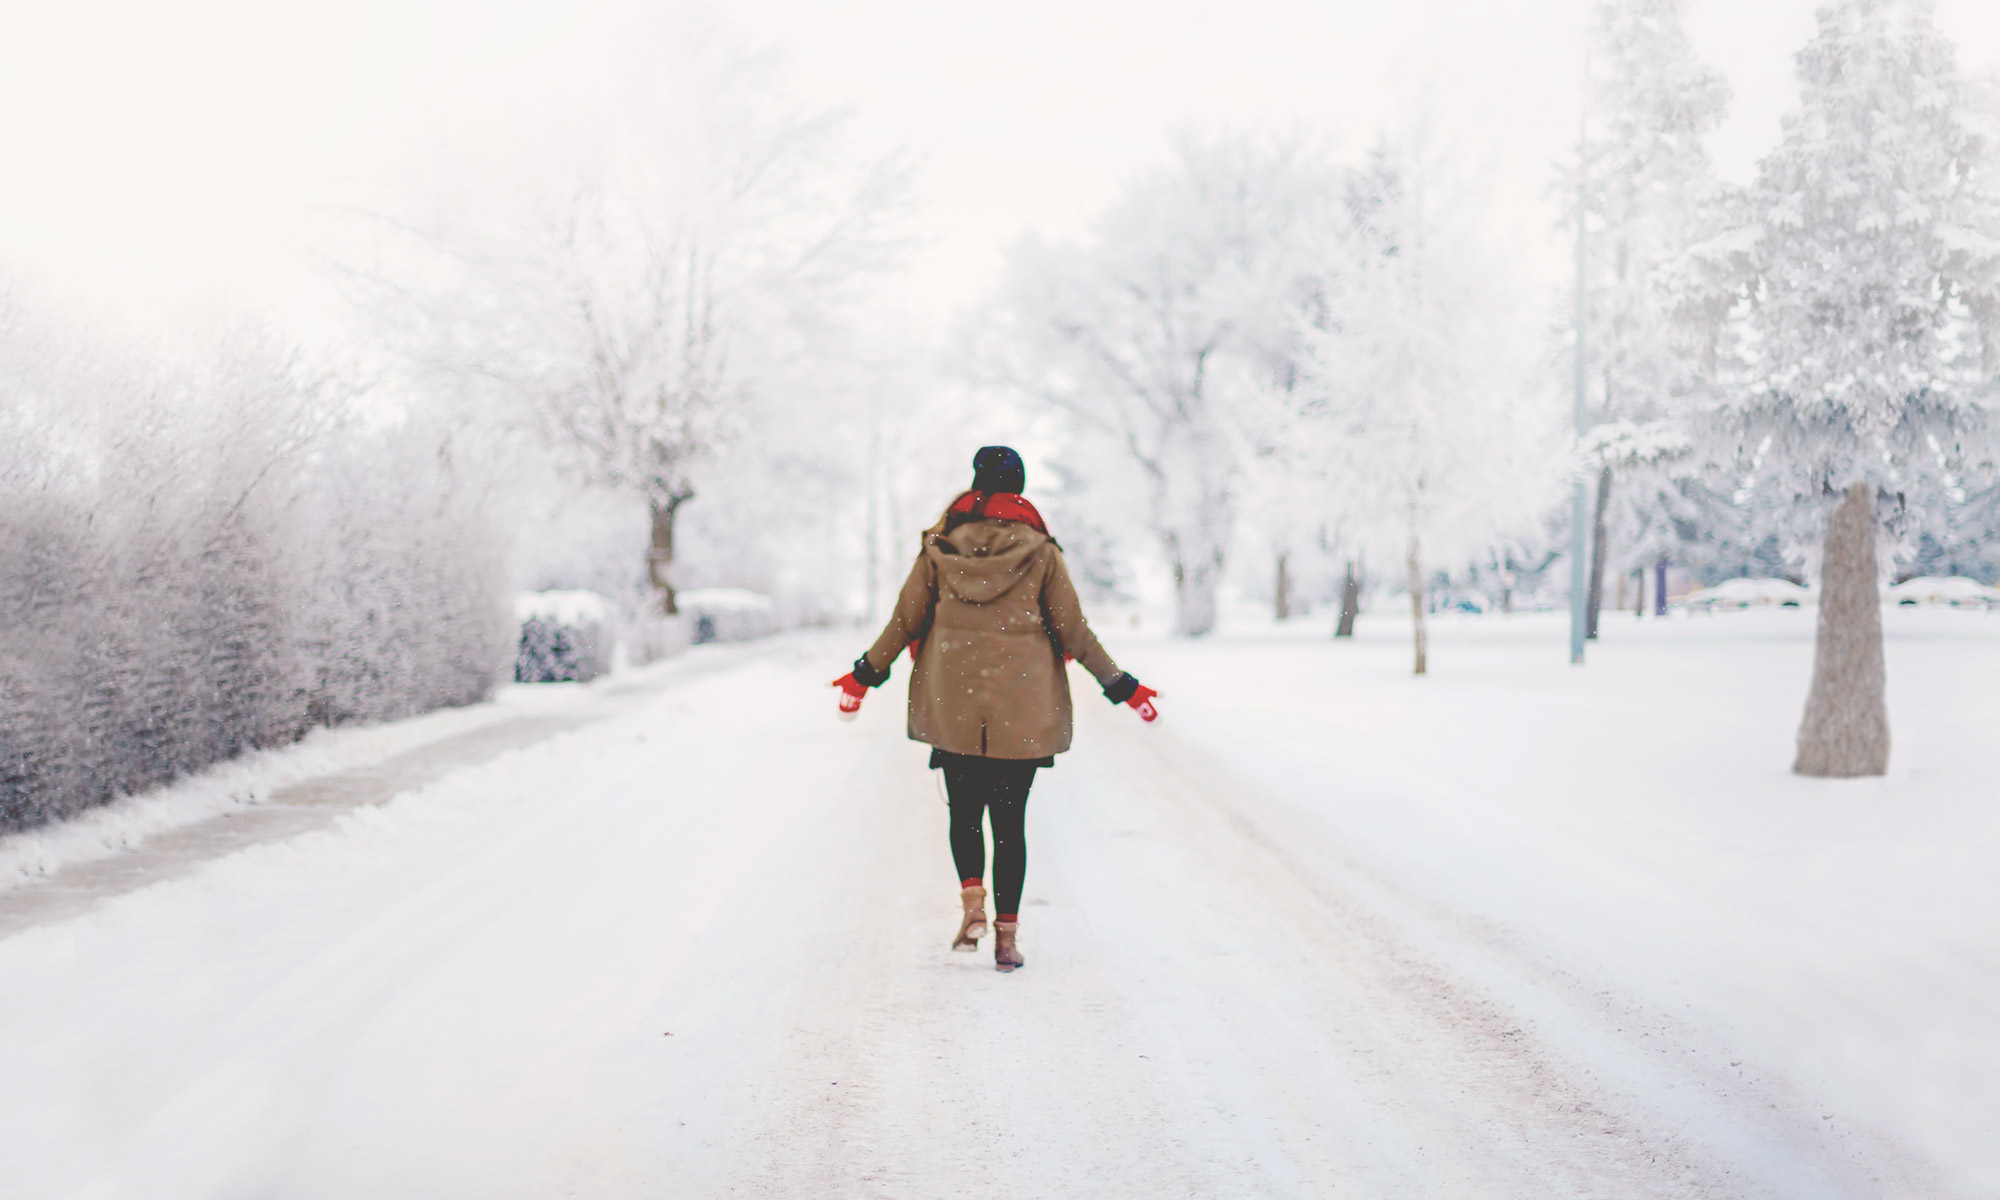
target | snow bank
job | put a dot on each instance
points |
(721, 600)
(565, 607)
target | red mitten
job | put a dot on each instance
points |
(851, 692)
(1142, 703)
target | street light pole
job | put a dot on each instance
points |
(1580, 502)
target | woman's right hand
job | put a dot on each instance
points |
(1142, 703)
(851, 692)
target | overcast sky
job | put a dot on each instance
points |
(159, 156)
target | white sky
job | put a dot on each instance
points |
(161, 157)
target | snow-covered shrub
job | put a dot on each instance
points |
(566, 637)
(201, 560)
(403, 608)
(728, 614)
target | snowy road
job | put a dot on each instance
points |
(698, 950)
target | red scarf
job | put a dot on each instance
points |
(998, 506)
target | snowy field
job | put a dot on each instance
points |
(1514, 930)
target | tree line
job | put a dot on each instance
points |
(1283, 347)
(1260, 352)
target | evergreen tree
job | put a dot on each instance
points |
(1654, 202)
(1871, 332)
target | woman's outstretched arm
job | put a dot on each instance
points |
(1064, 613)
(909, 622)
(1065, 616)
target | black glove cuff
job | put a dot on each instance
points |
(1120, 689)
(868, 676)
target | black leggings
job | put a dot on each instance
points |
(999, 786)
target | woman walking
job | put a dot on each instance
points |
(990, 617)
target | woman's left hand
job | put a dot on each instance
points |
(1142, 703)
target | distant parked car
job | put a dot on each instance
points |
(728, 614)
(1466, 601)
(1954, 590)
(566, 636)
(1749, 593)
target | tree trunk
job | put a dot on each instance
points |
(1196, 539)
(1660, 588)
(1594, 598)
(1194, 595)
(1350, 602)
(1417, 600)
(660, 555)
(1846, 728)
(1639, 584)
(1283, 607)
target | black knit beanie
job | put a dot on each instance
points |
(998, 469)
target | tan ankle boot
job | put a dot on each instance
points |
(973, 927)
(1006, 956)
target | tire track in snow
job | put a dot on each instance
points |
(1568, 1126)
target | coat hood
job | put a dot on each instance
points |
(981, 561)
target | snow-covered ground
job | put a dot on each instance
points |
(1513, 930)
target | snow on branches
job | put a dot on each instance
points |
(1655, 294)
(1875, 282)
(1418, 425)
(637, 306)
(1158, 336)
(205, 558)
(1864, 390)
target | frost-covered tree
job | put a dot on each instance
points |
(1160, 333)
(1283, 536)
(1872, 314)
(698, 256)
(1429, 449)
(1655, 208)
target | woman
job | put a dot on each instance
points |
(990, 617)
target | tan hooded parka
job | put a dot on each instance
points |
(993, 610)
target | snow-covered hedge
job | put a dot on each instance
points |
(208, 559)
(566, 637)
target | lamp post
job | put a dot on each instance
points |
(1579, 515)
